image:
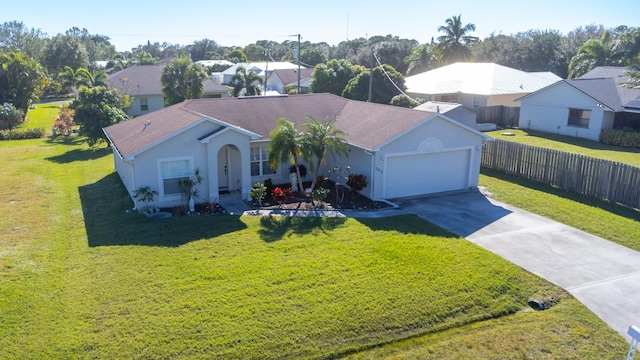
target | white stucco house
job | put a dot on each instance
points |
(583, 107)
(476, 85)
(142, 82)
(402, 152)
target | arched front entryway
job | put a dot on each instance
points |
(229, 169)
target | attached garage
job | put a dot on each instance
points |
(426, 173)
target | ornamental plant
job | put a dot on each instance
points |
(357, 182)
(281, 195)
(258, 193)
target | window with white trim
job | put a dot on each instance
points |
(259, 157)
(144, 104)
(171, 172)
(579, 117)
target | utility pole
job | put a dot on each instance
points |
(298, 57)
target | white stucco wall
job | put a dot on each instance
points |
(450, 136)
(358, 161)
(155, 102)
(548, 111)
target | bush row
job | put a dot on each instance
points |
(620, 137)
(21, 134)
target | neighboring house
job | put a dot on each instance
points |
(454, 111)
(402, 152)
(583, 107)
(262, 69)
(278, 80)
(207, 63)
(476, 85)
(142, 82)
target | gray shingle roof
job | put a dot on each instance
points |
(145, 80)
(368, 125)
(288, 76)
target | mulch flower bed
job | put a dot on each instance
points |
(337, 199)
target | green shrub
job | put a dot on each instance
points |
(620, 137)
(21, 134)
(258, 193)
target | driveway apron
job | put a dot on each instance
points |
(602, 275)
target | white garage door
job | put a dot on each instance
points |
(409, 175)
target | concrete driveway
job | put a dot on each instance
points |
(604, 276)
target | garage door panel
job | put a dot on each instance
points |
(417, 174)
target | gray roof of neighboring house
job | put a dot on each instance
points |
(289, 76)
(368, 125)
(145, 80)
(478, 78)
(603, 84)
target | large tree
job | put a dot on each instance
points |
(245, 83)
(595, 52)
(454, 44)
(333, 76)
(15, 36)
(205, 49)
(65, 50)
(422, 58)
(21, 80)
(97, 108)
(182, 80)
(383, 87)
(318, 139)
(285, 147)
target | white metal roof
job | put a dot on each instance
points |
(478, 78)
(259, 67)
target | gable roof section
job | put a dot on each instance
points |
(618, 73)
(478, 78)
(137, 80)
(288, 76)
(367, 125)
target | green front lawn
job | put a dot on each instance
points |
(42, 116)
(571, 145)
(82, 278)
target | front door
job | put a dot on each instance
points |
(223, 169)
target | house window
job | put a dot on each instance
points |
(578, 117)
(260, 161)
(144, 104)
(171, 173)
(476, 102)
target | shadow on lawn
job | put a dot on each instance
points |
(274, 228)
(80, 155)
(613, 208)
(406, 224)
(104, 205)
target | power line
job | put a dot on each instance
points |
(389, 77)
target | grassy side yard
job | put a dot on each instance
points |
(572, 145)
(42, 116)
(81, 278)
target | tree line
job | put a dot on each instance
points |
(33, 64)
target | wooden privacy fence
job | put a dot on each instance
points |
(503, 116)
(603, 179)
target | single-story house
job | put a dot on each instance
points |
(454, 111)
(279, 79)
(142, 82)
(262, 69)
(477, 85)
(402, 152)
(585, 106)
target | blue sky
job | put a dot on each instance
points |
(133, 22)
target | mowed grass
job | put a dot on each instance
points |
(43, 115)
(608, 220)
(81, 278)
(629, 156)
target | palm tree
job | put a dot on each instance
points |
(182, 80)
(285, 147)
(319, 138)
(594, 52)
(453, 43)
(70, 79)
(250, 82)
(422, 58)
